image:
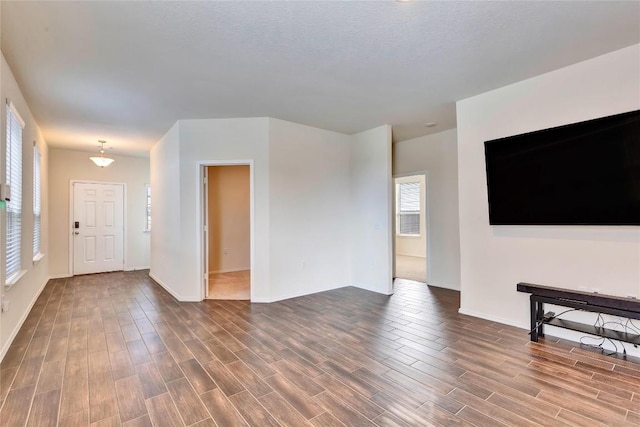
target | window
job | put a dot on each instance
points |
(408, 220)
(147, 222)
(13, 178)
(37, 211)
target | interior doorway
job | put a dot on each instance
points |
(227, 231)
(411, 234)
(97, 229)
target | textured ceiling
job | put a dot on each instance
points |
(126, 71)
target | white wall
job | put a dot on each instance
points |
(176, 263)
(309, 209)
(412, 245)
(371, 244)
(495, 258)
(229, 218)
(67, 165)
(314, 205)
(437, 155)
(23, 294)
(165, 252)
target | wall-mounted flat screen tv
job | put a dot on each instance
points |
(585, 173)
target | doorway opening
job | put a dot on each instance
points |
(411, 234)
(97, 227)
(227, 231)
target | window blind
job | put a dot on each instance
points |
(409, 208)
(147, 223)
(37, 213)
(14, 179)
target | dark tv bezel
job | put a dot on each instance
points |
(621, 116)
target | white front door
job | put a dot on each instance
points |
(98, 228)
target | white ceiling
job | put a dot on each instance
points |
(126, 71)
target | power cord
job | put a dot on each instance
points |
(548, 317)
(599, 323)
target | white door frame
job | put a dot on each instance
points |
(200, 218)
(426, 213)
(206, 257)
(124, 218)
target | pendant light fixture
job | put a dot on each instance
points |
(101, 161)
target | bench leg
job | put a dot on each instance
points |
(534, 319)
(540, 312)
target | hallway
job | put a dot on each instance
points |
(411, 268)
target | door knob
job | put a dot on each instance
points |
(76, 232)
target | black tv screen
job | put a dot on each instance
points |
(585, 173)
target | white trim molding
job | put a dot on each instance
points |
(492, 318)
(13, 334)
(178, 297)
(200, 241)
(230, 270)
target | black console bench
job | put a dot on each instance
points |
(586, 301)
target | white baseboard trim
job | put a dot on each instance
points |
(13, 334)
(136, 268)
(261, 300)
(443, 286)
(295, 294)
(493, 318)
(373, 290)
(60, 276)
(231, 270)
(173, 294)
(550, 331)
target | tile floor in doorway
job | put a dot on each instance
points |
(230, 286)
(411, 268)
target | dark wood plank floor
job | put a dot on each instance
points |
(115, 349)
